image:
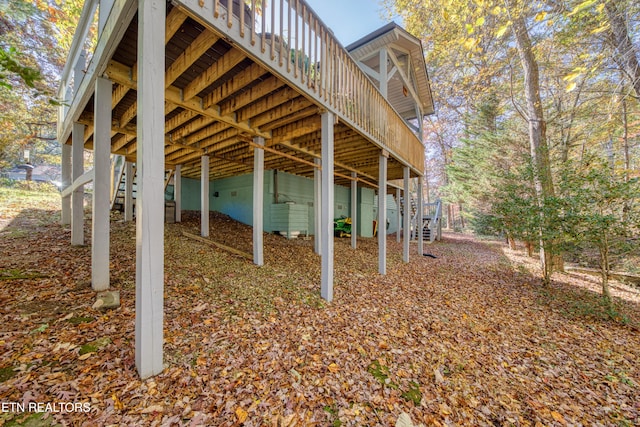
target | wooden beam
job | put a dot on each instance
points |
(296, 147)
(290, 118)
(175, 19)
(271, 84)
(252, 73)
(282, 154)
(276, 110)
(118, 95)
(178, 120)
(268, 103)
(191, 54)
(217, 245)
(122, 74)
(222, 66)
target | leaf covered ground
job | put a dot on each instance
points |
(468, 338)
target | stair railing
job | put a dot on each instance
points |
(434, 213)
(117, 172)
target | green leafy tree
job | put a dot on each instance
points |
(597, 214)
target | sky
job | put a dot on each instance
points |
(350, 20)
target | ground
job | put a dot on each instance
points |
(468, 338)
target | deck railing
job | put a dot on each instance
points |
(292, 40)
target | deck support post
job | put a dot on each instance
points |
(398, 216)
(384, 72)
(406, 218)
(326, 228)
(420, 218)
(65, 217)
(258, 202)
(317, 207)
(177, 192)
(77, 196)
(204, 196)
(128, 191)
(101, 185)
(354, 210)
(150, 191)
(382, 213)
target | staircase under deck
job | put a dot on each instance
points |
(228, 81)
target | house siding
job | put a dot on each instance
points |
(234, 197)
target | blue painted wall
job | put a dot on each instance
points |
(234, 197)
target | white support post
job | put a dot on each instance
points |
(398, 216)
(383, 72)
(258, 202)
(204, 197)
(317, 207)
(77, 196)
(382, 213)
(101, 185)
(177, 192)
(65, 217)
(150, 191)
(326, 228)
(354, 210)
(406, 219)
(420, 218)
(128, 191)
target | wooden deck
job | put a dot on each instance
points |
(230, 77)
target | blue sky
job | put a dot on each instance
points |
(350, 20)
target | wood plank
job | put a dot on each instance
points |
(268, 103)
(271, 84)
(118, 94)
(191, 54)
(279, 108)
(218, 245)
(175, 19)
(122, 74)
(252, 73)
(222, 66)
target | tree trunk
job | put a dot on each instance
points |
(450, 220)
(512, 242)
(529, 246)
(537, 136)
(604, 270)
(624, 54)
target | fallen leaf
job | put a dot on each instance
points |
(153, 408)
(241, 414)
